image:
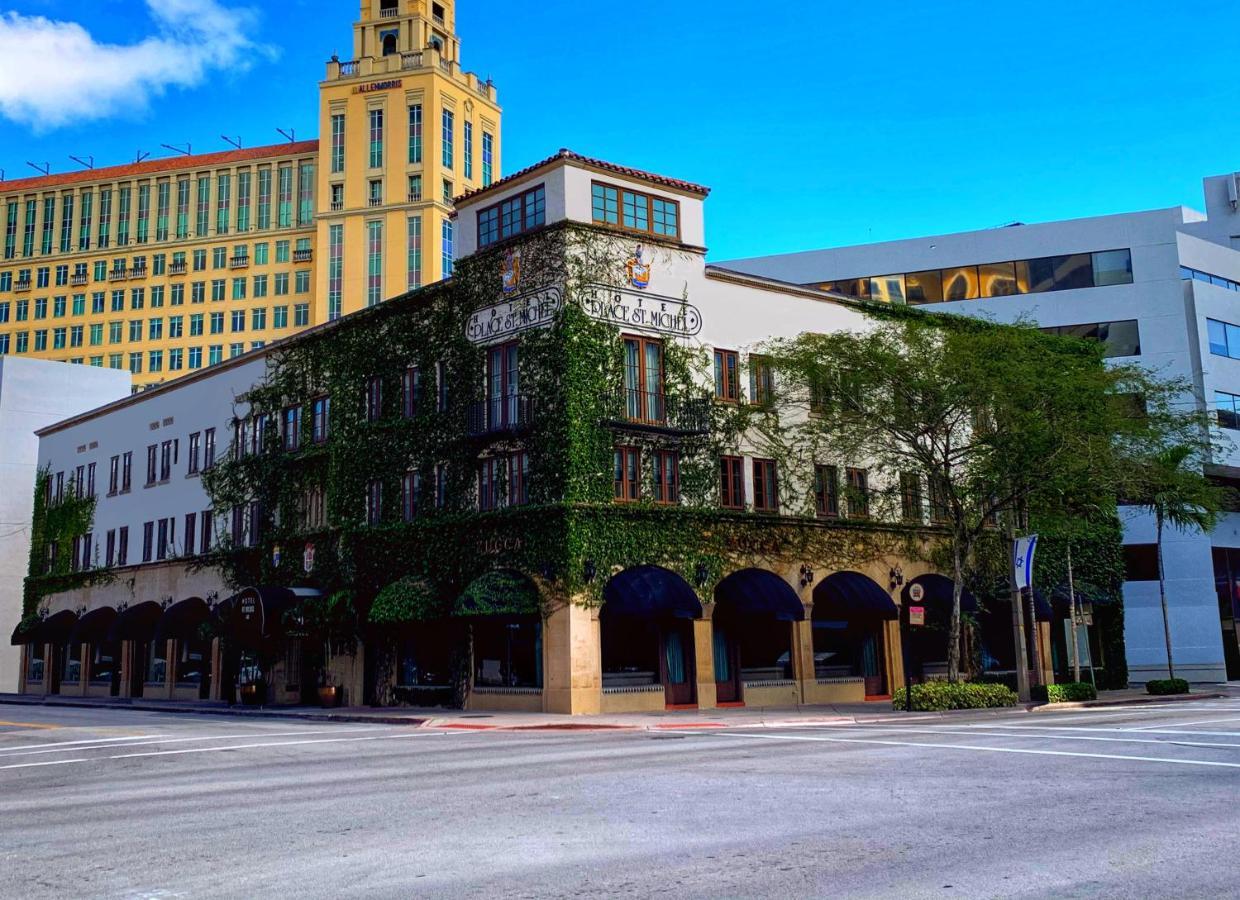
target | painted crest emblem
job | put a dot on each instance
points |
(510, 270)
(637, 267)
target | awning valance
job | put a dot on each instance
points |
(136, 623)
(847, 595)
(499, 593)
(256, 615)
(93, 627)
(25, 631)
(937, 593)
(758, 593)
(650, 592)
(182, 621)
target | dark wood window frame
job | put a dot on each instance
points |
(727, 376)
(628, 488)
(649, 199)
(764, 500)
(732, 482)
(827, 491)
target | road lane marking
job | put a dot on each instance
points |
(964, 731)
(1151, 730)
(96, 759)
(1188, 724)
(23, 747)
(183, 740)
(38, 725)
(1026, 751)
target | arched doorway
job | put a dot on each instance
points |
(927, 645)
(103, 657)
(849, 623)
(646, 629)
(504, 618)
(752, 633)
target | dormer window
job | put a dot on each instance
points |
(635, 211)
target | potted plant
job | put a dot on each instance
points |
(333, 621)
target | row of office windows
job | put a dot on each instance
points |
(1000, 279)
(128, 268)
(160, 541)
(175, 359)
(39, 309)
(1122, 338)
(1187, 274)
(166, 210)
(140, 330)
(413, 140)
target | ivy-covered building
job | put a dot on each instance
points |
(553, 482)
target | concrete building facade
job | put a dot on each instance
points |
(1159, 288)
(34, 394)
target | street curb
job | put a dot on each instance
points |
(1132, 701)
(237, 711)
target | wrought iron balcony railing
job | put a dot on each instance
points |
(501, 415)
(654, 411)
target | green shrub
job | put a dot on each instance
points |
(935, 696)
(1071, 692)
(1162, 686)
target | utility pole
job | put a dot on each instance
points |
(1018, 624)
(1075, 617)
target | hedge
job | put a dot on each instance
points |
(935, 696)
(1161, 686)
(1071, 692)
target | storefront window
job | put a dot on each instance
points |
(104, 663)
(193, 660)
(72, 673)
(630, 652)
(34, 662)
(156, 662)
(425, 659)
(508, 653)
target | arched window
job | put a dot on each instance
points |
(389, 45)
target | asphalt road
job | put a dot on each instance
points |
(1116, 803)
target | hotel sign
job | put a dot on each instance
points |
(645, 311)
(378, 86)
(496, 323)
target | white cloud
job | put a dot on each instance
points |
(53, 73)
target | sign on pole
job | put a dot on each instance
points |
(1022, 561)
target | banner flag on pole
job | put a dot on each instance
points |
(1022, 560)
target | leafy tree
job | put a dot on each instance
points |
(995, 421)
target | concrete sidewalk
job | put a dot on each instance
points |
(771, 717)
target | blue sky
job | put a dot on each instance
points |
(816, 123)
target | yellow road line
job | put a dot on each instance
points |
(37, 725)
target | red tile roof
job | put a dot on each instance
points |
(155, 166)
(674, 183)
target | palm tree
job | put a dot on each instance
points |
(1174, 490)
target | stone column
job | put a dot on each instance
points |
(217, 667)
(704, 662)
(894, 648)
(803, 657)
(572, 660)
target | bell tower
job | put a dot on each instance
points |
(404, 130)
(391, 27)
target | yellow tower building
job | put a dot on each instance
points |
(404, 131)
(167, 266)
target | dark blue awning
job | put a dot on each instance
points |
(845, 595)
(650, 591)
(257, 614)
(183, 620)
(93, 627)
(758, 593)
(136, 623)
(938, 593)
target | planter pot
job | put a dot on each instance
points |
(329, 697)
(252, 694)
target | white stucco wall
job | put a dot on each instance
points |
(33, 394)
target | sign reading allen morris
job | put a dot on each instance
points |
(642, 310)
(496, 323)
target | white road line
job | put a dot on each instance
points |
(136, 737)
(1150, 730)
(183, 740)
(1187, 724)
(1053, 737)
(922, 744)
(96, 759)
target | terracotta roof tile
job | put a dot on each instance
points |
(570, 156)
(156, 166)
